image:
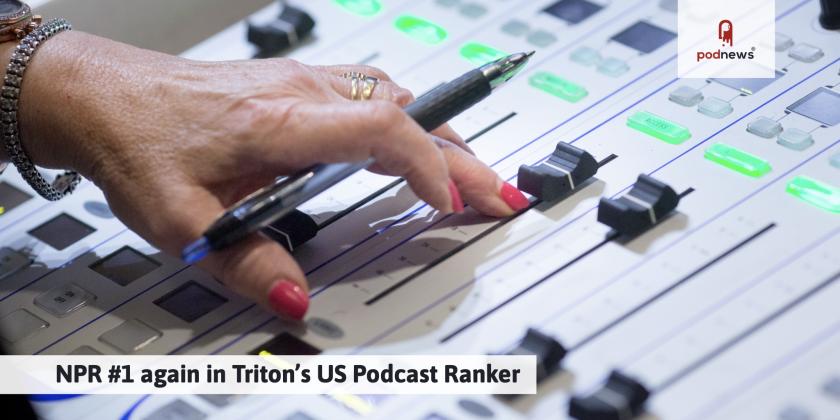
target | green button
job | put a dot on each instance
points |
(364, 8)
(557, 86)
(658, 127)
(480, 54)
(420, 29)
(738, 160)
(815, 193)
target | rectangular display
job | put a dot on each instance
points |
(190, 301)
(287, 344)
(748, 86)
(821, 105)
(124, 266)
(644, 37)
(11, 197)
(61, 231)
(573, 11)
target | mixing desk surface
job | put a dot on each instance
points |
(682, 252)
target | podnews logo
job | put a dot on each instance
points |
(725, 33)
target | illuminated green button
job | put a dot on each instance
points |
(656, 126)
(480, 54)
(815, 193)
(420, 29)
(360, 7)
(737, 160)
(558, 86)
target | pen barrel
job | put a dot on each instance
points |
(447, 101)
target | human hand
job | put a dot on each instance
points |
(174, 142)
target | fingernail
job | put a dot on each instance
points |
(513, 197)
(289, 299)
(457, 202)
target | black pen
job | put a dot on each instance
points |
(271, 203)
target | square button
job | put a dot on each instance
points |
(795, 139)
(61, 231)
(585, 56)
(11, 197)
(806, 53)
(20, 324)
(124, 266)
(541, 38)
(473, 10)
(130, 336)
(613, 67)
(447, 3)
(783, 42)
(12, 261)
(686, 96)
(190, 301)
(85, 351)
(831, 387)
(835, 161)
(176, 410)
(715, 107)
(515, 28)
(765, 127)
(218, 400)
(573, 11)
(62, 300)
(794, 413)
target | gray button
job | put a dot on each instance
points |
(795, 139)
(783, 42)
(835, 161)
(473, 10)
(447, 3)
(176, 410)
(613, 67)
(686, 96)
(11, 197)
(515, 28)
(832, 387)
(806, 53)
(475, 408)
(130, 336)
(324, 328)
(765, 127)
(85, 351)
(62, 231)
(99, 209)
(585, 56)
(299, 415)
(125, 265)
(191, 301)
(20, 324)
(541, 38)
(218, 400)
(62, 300)
(794, 413)
(12, 261)
(715, 107)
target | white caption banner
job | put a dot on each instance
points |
(268, 374)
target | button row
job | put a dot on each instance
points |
(711, 106)
(791, 138)
(610, 66)
(538, 37)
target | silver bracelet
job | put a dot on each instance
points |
(9, 97)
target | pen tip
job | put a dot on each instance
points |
(196, 251)
(530, 53)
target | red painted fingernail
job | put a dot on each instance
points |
(457, 202)
(289, 299)
(513, 197)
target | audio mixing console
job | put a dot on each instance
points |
(680, 259)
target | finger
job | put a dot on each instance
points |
(356, 131)
(341, 70)
(256, 267)
(480, 186)
(382, 90)
(446, 132)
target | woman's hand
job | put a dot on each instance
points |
(173, 142)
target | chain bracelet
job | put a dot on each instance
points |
(63, 184)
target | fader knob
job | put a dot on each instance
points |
(565, 170)
(642, 207)
(830, 15)
(549, 352)
(289, 29)
(293, 230)
(621, 398)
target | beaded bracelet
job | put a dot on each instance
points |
(65, 183)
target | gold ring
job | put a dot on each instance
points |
(361, 85)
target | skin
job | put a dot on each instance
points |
(173, 142)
